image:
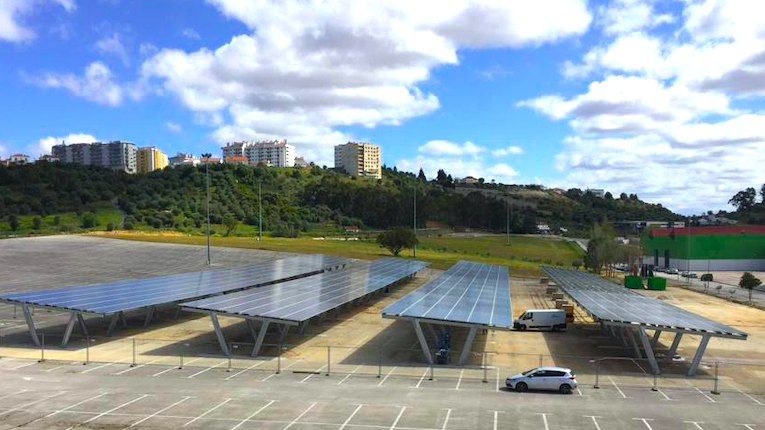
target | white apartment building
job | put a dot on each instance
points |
(359, 159)
(182, 159)
(117, 155)
(274, 152)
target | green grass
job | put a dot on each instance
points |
(68, 222)
(523, 255)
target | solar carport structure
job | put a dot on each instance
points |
(295, 302)
(115, 298)
(471, 295)
(628, 314)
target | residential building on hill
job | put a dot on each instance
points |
(149, 159)
(116, 155)
(19, 159)
(359, 159)
(468, 180)
(47, 158)
(182, 159)
(597, 192)
(271, 152)
(300, 162)
(236, 159)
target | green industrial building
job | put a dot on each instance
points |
(736, 248)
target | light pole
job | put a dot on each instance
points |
(507, 207)
(207, 174)
(260, 214)
(414, 250)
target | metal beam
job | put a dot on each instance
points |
(649, 351)
(123, 319)
(303, 326)
(149, 315)
(655, 339)
(283, 332)
(432, 332)
(112, 324)
(624, 336)
(69, 328)
(634, 343)
(83, 327)
(259, 339)
(423, 342)
(468, 345)
(251, 325)
(219, 333)
(699, 353)
(673, 349)
(31, 325)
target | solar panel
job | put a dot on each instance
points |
(121, 296)
(469, 292)
(611, 302)
(302, 299)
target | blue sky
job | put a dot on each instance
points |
(662, 99)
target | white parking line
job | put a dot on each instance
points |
(58, 367)
(711, 400)
(745, 394)
(496, 418)
(66, 408)
(313, 374)
(544, 420)
(696, 424)
(348, 420)
(645, 421)
(386, 376)
(138, 366)
(422, 378)
(161, 410)
(97, 367)
(253, 415)
(617, 387)
(398, 418)
(292, 423)
(748, 426)
(143, 396)
(283, 368)
(360, 342)
(594, 420)
(446, 420)
(31, 403)
(13, 394)
(171, 368)
(349, 375)
(244, 370)
(459, 381)
(662, 393)
(23, 365)
(207, 369)
(206, 412)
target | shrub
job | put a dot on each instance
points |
(37, 223)
(397, 239)
(110, 226)
(89, 220)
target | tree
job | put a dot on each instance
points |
(441, 177)
(110, 226)
(89, 220)
(623, 196)
(749, 282)
(576, 264)
(744, 199)
(608, 195)
(762, 192)
(37, 223)
(14, 222)
(396, 239)
(230, 224)
(421, 176)
(57, 220)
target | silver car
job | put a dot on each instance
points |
(544, 378)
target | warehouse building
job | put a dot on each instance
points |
(736, 248)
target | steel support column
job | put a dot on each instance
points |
(69, 328)
(285, 328)
(219, 333)
(649, 351)
(259, 339)
(423, 342)
(655, 339)
(673, 349)
(622, 332)
(31, 325)
(123, 319)
(468, 345)
(699, 353)
(112, 324)
(304, 326)
(83, 327)
(149, 315)
(634, 343)
(432, 332)
(251, 326)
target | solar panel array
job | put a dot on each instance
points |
(469, 292)
(121, 296)
(302, 299)
(611, 302)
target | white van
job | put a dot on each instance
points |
(553, 319)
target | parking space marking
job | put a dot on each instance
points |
(313, 374)
(13, 394)
(496, 418)
(207, 369)
(446, 420)
(244, 370)
(617, 387)
(544, 420)
(283, 368)
(173, 367)
(293, 422)
(271, 402)
(206, 412)
(97, 367)
(31, 403)
(141, 397)
(137, 367)
(645, 421)
(387, 375)
(422, 378)
(594, 420)
(705, 395)
(748, 426)
(459, 380)
(666, 397)
(161, 410)
(67, 408)
(696, 424)
(349, 375)
(23, 365)
(745, 394)
(348, 420)
(58, 367)
(398, 418)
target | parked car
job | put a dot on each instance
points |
(553, 319)
(659, 269)
(672, 271)
(558, 379)
(707, 277)
(687, 274)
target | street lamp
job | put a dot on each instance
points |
(414, 250)
(207, 174)
(260, 214)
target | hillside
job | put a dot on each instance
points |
(312, 200)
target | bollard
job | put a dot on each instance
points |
(180, 356)
(42, 348)
(230, 351)
(279, 359)
(328, 359)
(133, 365)
(431, 372)
(714, 390)
(87, 351)
(485, 380)
(379, 363)
(655, 384)
(597, 374)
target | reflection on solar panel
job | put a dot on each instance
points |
(611, 302)
(302, 299)
(122, 296)
(468, 293)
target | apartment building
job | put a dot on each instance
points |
(182, 159)
(270, 152)
(149, 159)
(20, 159)
(116, 155)
(359, 159)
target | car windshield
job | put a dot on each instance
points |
(529, 372)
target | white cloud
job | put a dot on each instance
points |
(627, 16)
(45, 145)
(444, 147)
(97, 84)
(146, 49)
(309, 67)
(113, 45)
(12, 14)
(174, 127)
(190, 33)
(510, 150)
(2, 149)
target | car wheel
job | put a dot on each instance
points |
(522, 327)
(556, 328)
(565, 389)
(521, 387)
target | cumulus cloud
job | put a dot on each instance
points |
(13, 27)
(112, 45)
(510, 150)
(444, 147)
(45, 145)
(174, 127)
(310, 67)
(190, 33)
(97, 84)
(146, 49)
(627, 16)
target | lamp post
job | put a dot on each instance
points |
(260, 214)
(415, 221)
(207, 174)
(507, 208)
